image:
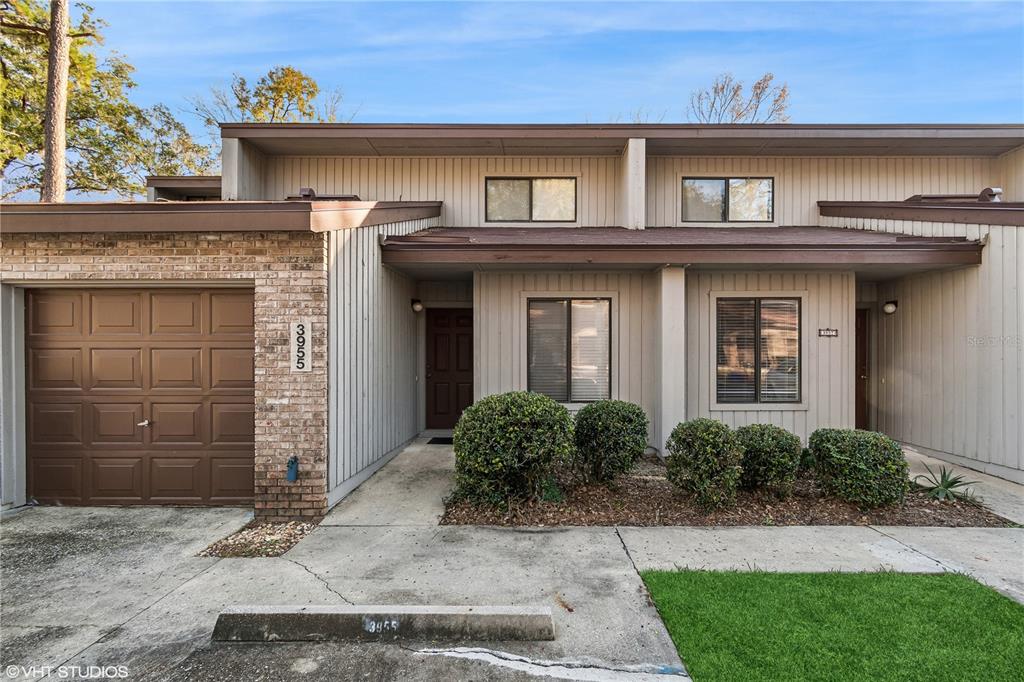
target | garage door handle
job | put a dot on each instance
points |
(144, 422)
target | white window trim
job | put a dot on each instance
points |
(482, 185)
(524, 312)
(805, 345)
(726, 174)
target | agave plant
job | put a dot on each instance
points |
(947, 486)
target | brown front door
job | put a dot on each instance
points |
(140, 396)
(449, 367)
(863, 363)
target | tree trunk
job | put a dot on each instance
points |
(55, 124)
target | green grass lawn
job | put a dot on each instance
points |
(839, 626)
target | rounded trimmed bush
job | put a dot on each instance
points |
(704, 460)
(771, 457)
(864, 467)
(611, 435)
(506, 446)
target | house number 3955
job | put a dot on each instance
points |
(301, 346)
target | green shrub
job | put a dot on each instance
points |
(704, 459)
(611, 435)
(507, 445)
(864, 467)
(771, 457)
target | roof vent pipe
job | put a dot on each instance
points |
(307, 193)
(991, 194)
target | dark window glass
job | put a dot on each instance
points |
(569, 348)
(758, 350)
(704, 200)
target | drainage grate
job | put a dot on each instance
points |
(440, 440)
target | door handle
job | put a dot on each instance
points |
(864, 376)
(144, 422)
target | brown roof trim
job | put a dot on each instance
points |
(804, 245)
(183, 181)
(618, 130)
(972, 212)
(210, 216)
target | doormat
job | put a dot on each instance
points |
(440, 440)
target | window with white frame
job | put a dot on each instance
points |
(530, 200)
(568, 346)
(728, 200)
(757, 346)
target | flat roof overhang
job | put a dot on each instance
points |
(667, 139)
(616, 246)
(175, 186)
(209, 216)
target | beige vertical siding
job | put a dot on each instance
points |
(500, 328)
(828, 363)
(801, 182)
(951, 359)
(457, 181)
(437, 294)
(373, 351)
(1010, 167)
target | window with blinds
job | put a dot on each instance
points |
(569, 348)
(758, 350)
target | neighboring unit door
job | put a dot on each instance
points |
(449, 366)
(140, 396)
(863, 363)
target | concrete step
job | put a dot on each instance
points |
(383, 623)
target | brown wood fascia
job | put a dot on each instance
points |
(219, 216)
(996, 213)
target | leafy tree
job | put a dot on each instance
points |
(282, 95)
(726, 102)
(112, 143)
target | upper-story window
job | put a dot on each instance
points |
(728, 200)
(530, 200)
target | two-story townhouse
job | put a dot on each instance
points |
(358, 285)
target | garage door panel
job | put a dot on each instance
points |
(176, 313)
(116, 479)
(115, 313)
(119, 368)
(57, 479)
(55, 368)
(55, 314)
(231, 479)
(177, 479)
(232, 423)
(176, 368)
(117, 424)
(231, 368)
(101, 361)
(231, 313)
(56, 424)
(179, 423)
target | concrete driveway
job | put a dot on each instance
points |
(124, 587)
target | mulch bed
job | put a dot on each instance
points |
(259, 539)
(646, 498)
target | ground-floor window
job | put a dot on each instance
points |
(569, 348)
(758, 350)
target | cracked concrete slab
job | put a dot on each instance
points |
(601, 609)
(994, 556)
(71, 576)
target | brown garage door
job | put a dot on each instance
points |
(140, 396)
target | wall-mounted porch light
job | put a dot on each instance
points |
(889, 307)
(417, 305)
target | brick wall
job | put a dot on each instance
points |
(289, 272)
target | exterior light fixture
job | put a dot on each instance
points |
(889, 307)
(417, 305)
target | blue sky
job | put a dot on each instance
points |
(568, 62)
